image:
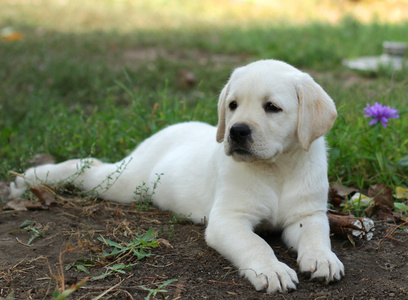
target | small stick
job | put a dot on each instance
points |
(227, 283)
(390, 233)
(346, 225)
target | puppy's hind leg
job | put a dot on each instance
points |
(88, 174)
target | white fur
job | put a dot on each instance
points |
(281, 181)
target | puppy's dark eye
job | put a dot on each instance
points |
(272, 108)
(233, 105)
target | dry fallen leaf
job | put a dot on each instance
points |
(343, 191)
(381, 195)
(24, 205)
(401, 193)
(338, 194)
(334, 198)
(372, 209)
(45, 200)
(17, 204)
(383, 203)
(44, 195)
(358, 200)
(166, 243)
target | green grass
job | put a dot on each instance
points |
(97, 79)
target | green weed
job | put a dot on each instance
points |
(402, 208)
(179, 218)
(64, 294)
(37, 230)
(81, 265)
(117, 268)
(159, 290)
(143, 194)
(136, 247)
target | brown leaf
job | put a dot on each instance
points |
(44, 195)
(342, 191)
(338, 194)
(334, 198)
(383, 200)
(17, 204)
(381, 195)
(24, 205)
(372, 209)
(166, 243)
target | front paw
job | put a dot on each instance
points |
(321, 265)
(277, 277)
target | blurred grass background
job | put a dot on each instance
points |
(96, 77)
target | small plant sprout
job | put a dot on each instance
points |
(179, 218)
(380, 113)
(143, 194)
(81, 265)
(159, 290)
(31, 226)
(401, 207)
(135, 247)
(111, 179)
(64, 295)
(111, 270)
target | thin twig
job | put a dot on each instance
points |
(390, 233)
(227, 283)
(27, 245)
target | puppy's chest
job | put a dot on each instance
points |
(267, 205)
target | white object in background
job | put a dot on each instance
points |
(392, 58)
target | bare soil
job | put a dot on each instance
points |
(375, 269)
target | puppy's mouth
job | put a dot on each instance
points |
(240, 153)
(243, 154)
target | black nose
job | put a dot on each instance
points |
(240, 133)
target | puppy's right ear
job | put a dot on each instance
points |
(317, 111)
(221, 114)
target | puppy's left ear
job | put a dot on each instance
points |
(221, 114)
(317, 111)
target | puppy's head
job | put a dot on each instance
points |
(269, 107)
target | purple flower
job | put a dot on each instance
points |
(380, 113)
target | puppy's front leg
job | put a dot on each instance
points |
(232, 235)
(310, 237)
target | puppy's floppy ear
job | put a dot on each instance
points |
(221, 114)
(317, 111)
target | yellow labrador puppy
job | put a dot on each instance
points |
(264, 164)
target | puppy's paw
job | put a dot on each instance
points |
(17, 188)
(277, 277)
(22, 182)
(322, 265)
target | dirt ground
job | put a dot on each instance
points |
(377, 269)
